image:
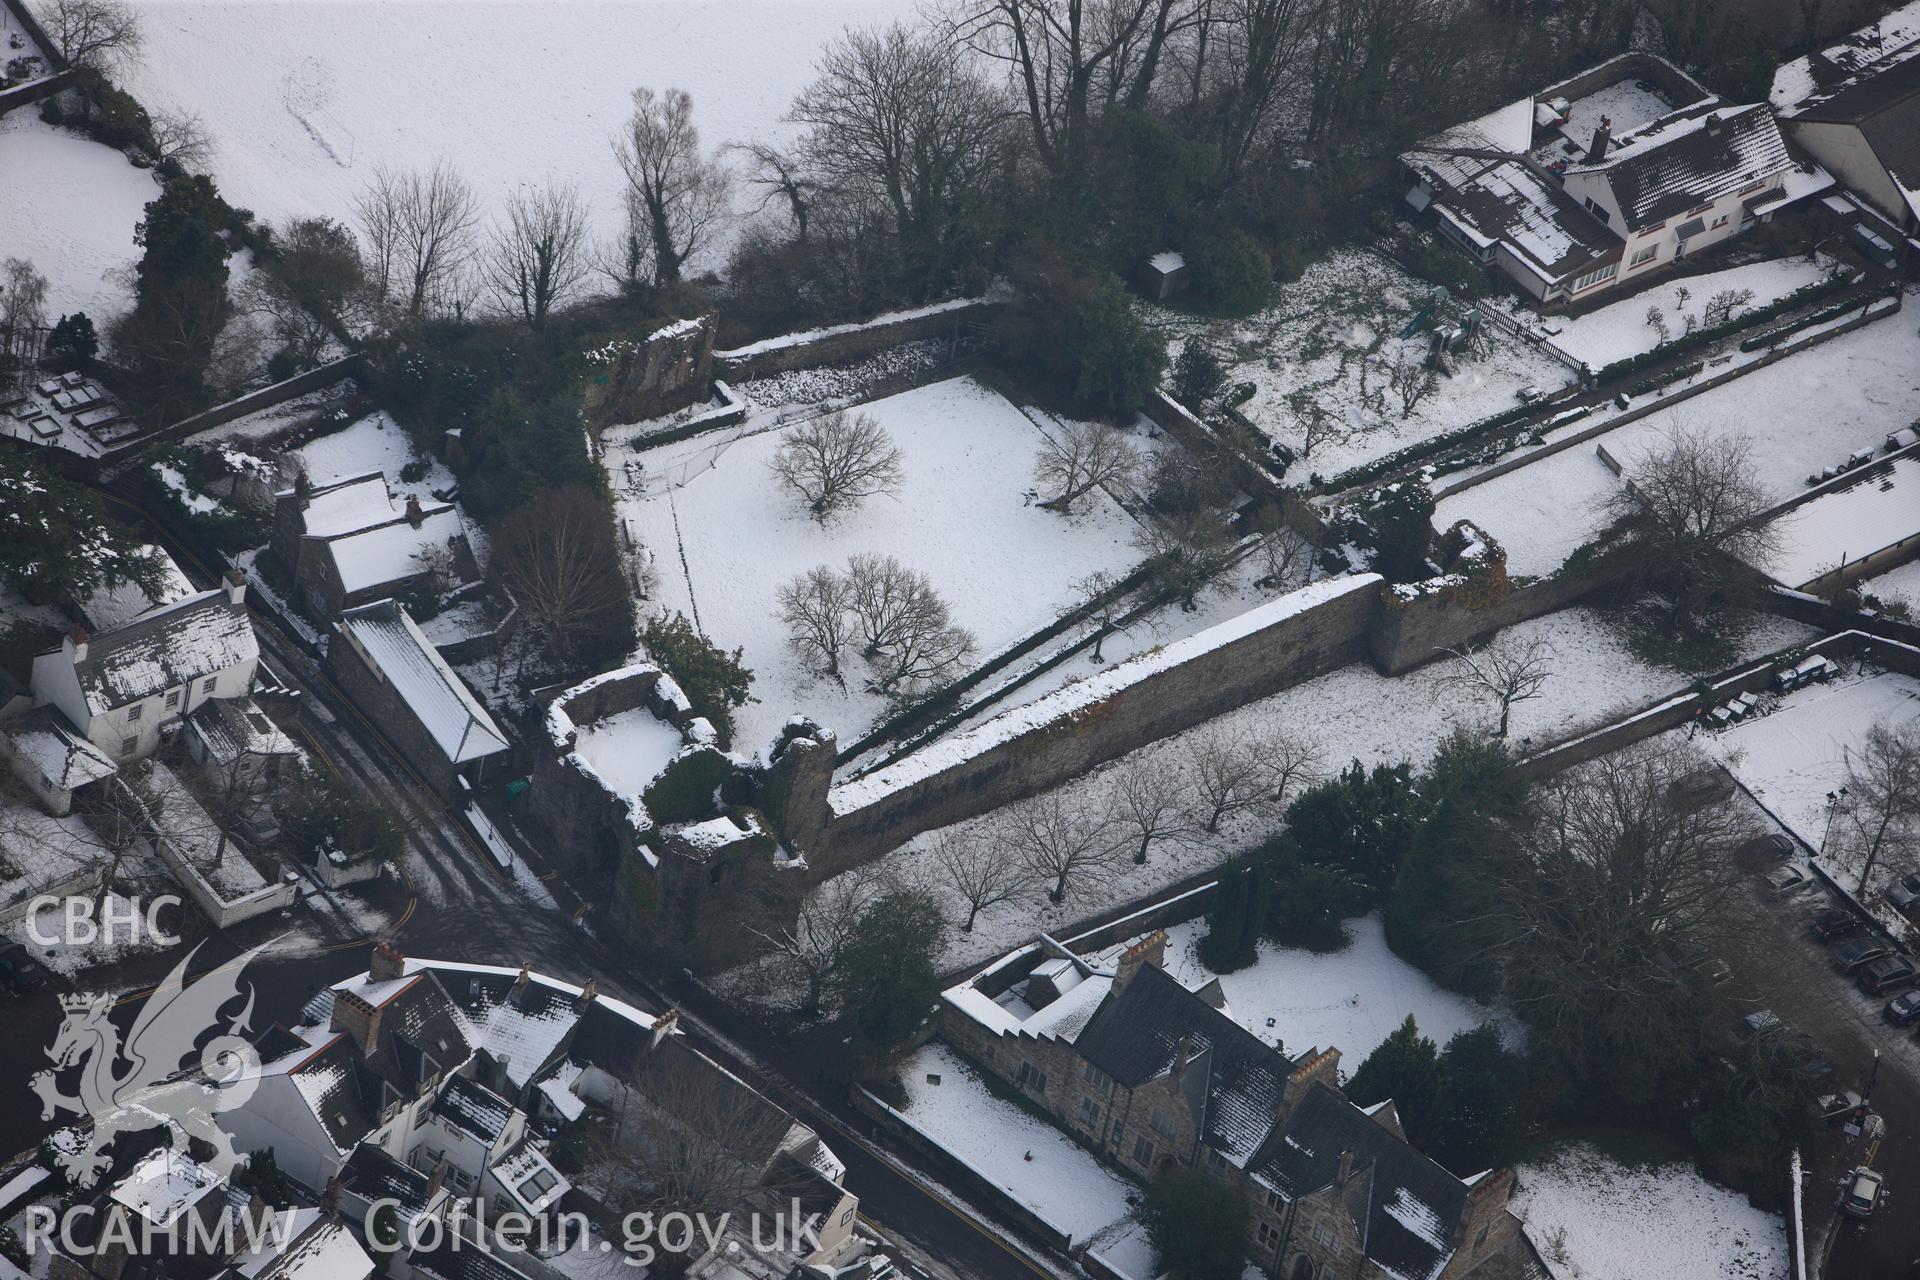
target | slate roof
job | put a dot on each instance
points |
(1406, 1206)
(64, 758)
(232, 727)
(475, 1108)
(165, 648)
(374, 1175)
(1682, 160)
(393, 646)
(1886, 107)
(1507, 200)
(1135, 1036)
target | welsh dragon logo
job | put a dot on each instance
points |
(160, 1086)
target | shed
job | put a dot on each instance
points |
(1162, 276)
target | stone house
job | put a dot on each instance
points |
(128, 689)
(1150, 1075)
(355, 541)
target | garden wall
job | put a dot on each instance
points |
(843, 342)
(1061, 736)
(22, 95)
(265, 398)
(1411, 633)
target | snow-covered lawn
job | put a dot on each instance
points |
(1593, 1218)
(1621, 330)
(1799, 416)
(1332, 338)
(1902, 583)
(373, 443)
(1023, 1155)
(69, 206)
(305, 100)
(1353, 713)
(1791, 757)
(1351, 999)
(724, 535)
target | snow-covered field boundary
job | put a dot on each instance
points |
(252, 402)
(848, 341)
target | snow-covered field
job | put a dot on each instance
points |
(1036, 1164)
(1350, 999)
(724, 535)
(1800, 415)
(305, 100)
(1593, 1218)
(69, 206)
(1331, 338)
(1621, 330)
(1353, 713)
(1793, 756)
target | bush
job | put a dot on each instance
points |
(714, 680)
(72, 344)
(685, 790)
(1117, 358)
(886, 978)
(1406, 1068)
(1231, 272)
(1360, 824)
(1197, 1224)
(1306, 903)
(1197, 375)
(1237, 918)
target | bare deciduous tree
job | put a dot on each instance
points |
(1284, 557)
(836, 461)
(983, 871)
(1150, 801)
(817, 608)
(537, 256)
(1721, 306)
(1412, 381)
(908, 634)
(1507, 670)
(23, 312)
(92, 33)
(782, 177)
(1881, 810)
(1694, 515)
(1227, 774)
(418, 228)
(559, 559)
(182, 138)
(1081, 457)
(1061, 838)
(1096, 593)
(676, 195)
(806, 953)
(1186, 551)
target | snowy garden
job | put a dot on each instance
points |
(69, 206)
(1333, 379)
(723, 534)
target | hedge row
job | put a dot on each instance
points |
(1792, 327)
(1745, 320)
(1369, 471)
(1666, 378)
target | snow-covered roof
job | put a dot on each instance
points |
(355, 503)
(1859, 514)
(64, 758)
(115, 606)
(1812, 80)
(164, 1185)
(1688, 158)
(392, 645)
(230, 728)
(558, 1090)
(530, 1178)
(305, 1245)
(166, 648)
(390, 552)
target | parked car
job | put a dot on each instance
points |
(1834, 924)
(1860, 1192)
(1761, 1022)
(1837, 1106)
(20, 972)
(1903, 1010)
(1889, 973)
(1857, 954)
(1701, 787)
(1903, 895)
(1772, 845)
(1530, 393)
(1788, 881)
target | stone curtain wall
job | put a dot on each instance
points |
(645, 378)
(1034, 748)
(849, 341)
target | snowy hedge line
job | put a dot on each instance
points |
(1745, 320)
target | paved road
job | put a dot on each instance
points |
(1778, 965)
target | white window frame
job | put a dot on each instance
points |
(1646, 255)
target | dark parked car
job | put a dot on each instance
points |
(1903, 895)
(1889, 973)
(1849, 956)
(1701, 787)
(1761, 1022)
(19, 971)
(1903, 1010)
(1835, 923)
(1773, 846)
(1835, 1106)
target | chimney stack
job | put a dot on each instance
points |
(1151, 949)
(1346, 1169)
(1601, 137)
(1713, 124)
(387, 963)
(236, 587)
(1182, 1055)
(663, 1026)
(520, 983)
(76, 644)
(438, 1178)
(415, 516)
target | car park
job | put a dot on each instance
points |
(1888, 973)
(1860, 1192)
(1903, 1010)
(1854, 955)
(1788, 881)
(1772, 846)
(1834, 924)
